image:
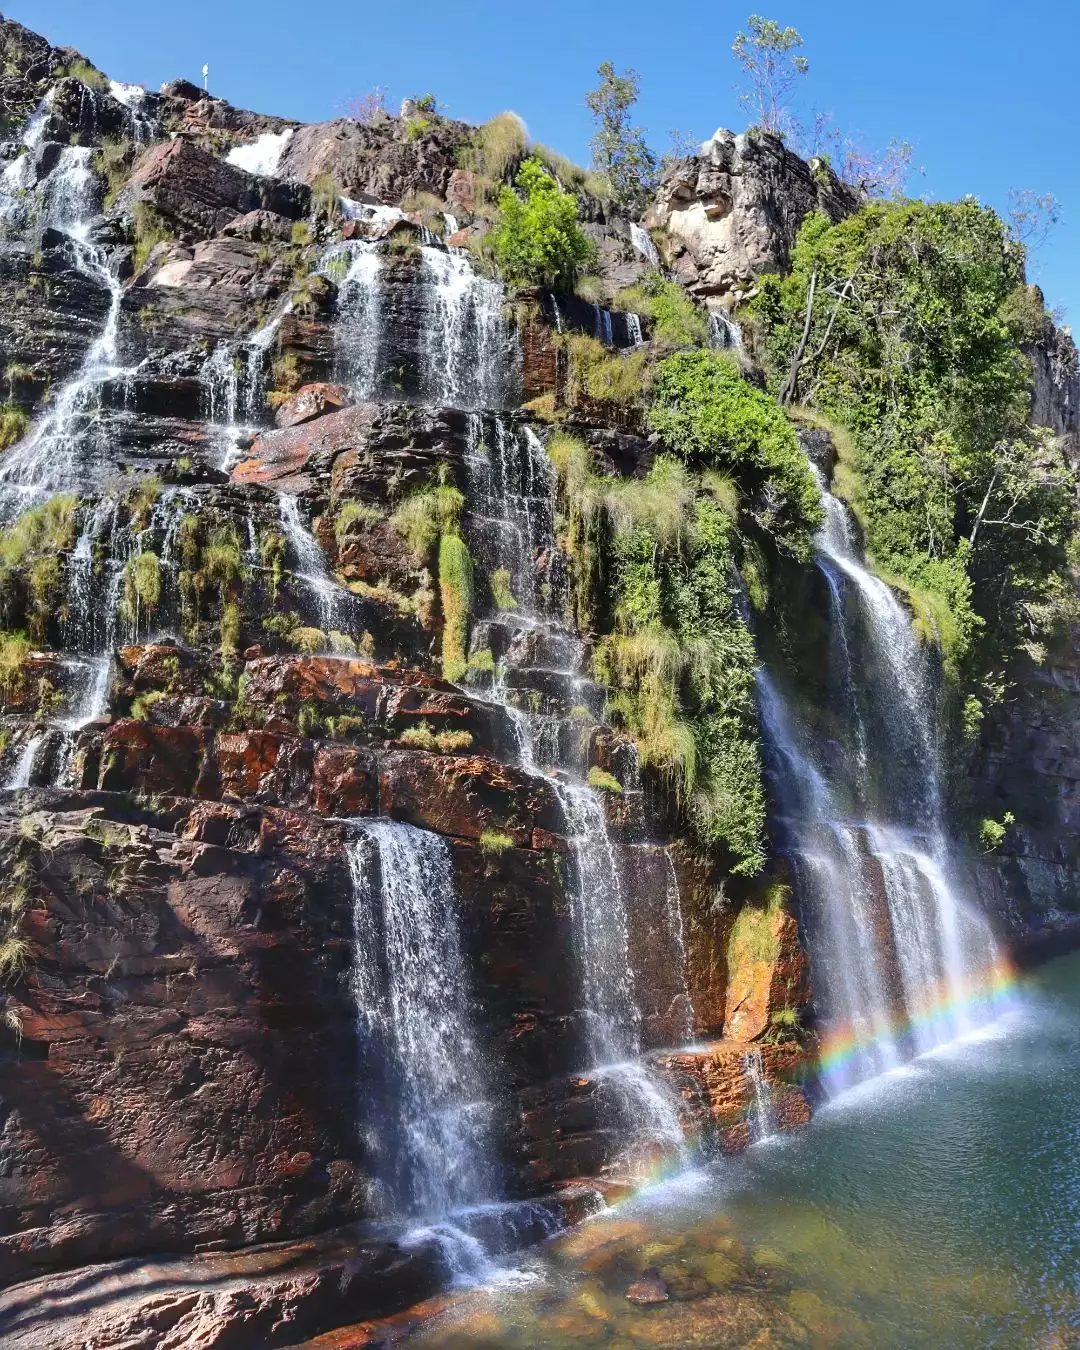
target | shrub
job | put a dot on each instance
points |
(48, 528)
(619, 378)
(452, 742)
(142, 587)
(425, 515)
(992, 832)
(84, 72)
(351, 514)
(148, 227)
(14, 653)
(706, 412)
(418, 737)
(14, 424)
(307, 640)
(537, 239)
(572, 175)
(676, 321)
(113, 162)
(499, 146)
(603, 781)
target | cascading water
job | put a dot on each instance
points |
(724, 332)
(327, 595)
(512, 499)
(358, 327)
(465, 362)
(432, 1147)
(262, 155)
(234, 379)
(899, 955)
(760, 1115)
(642, 241)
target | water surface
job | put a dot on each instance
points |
(936, 1206)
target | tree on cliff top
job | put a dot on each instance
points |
(766, 54)
(618, 150)
(537, 238)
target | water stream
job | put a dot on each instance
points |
(900, 956)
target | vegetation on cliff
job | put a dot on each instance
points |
(908, 324)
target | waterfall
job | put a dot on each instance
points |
(633, 327)
(899, 953)
(233, 380)
(760, 1116)
(311, 566)
(359, 321)
(53, 455)
(602, 329)
(642, 241)
(414, 1013)
(724, 332)
(262, 156)
(24, 765)
(512, 499)
(466, 346)
(142, 126)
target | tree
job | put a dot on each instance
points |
(369, 107)
(618, 150)
(765, 53)
(1032, 215)
(537, 238)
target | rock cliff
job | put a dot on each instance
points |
(237, 349)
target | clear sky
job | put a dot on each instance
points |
(985, 89)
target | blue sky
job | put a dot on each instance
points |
(985, 91)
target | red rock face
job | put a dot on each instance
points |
(281, 457)
(311, 401)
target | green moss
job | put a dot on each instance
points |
(14, 424)
(456, 592)
(454, 742)
(494, 843)
(141, 498)
(142, 588)
(140, 708)
(14, 655)
(500, 589)
(482, 662)
(148, 228)
(603, 781)
(752, 940)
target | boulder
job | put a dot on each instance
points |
(311, 401)
(202, 193)
(732, 211)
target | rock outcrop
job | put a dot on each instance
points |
(732, 211)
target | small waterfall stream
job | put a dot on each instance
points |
(899, 954)
(512, 506)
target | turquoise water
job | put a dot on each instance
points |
(937, 1206)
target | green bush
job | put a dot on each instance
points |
(493, 843)
(676, 321)
(919, 314)
(14, 424)
(537, 239)
(706, 412)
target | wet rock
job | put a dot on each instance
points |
(282, 457)
(648, 1290)
(311, 401)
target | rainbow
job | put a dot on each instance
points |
(938, 1012)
